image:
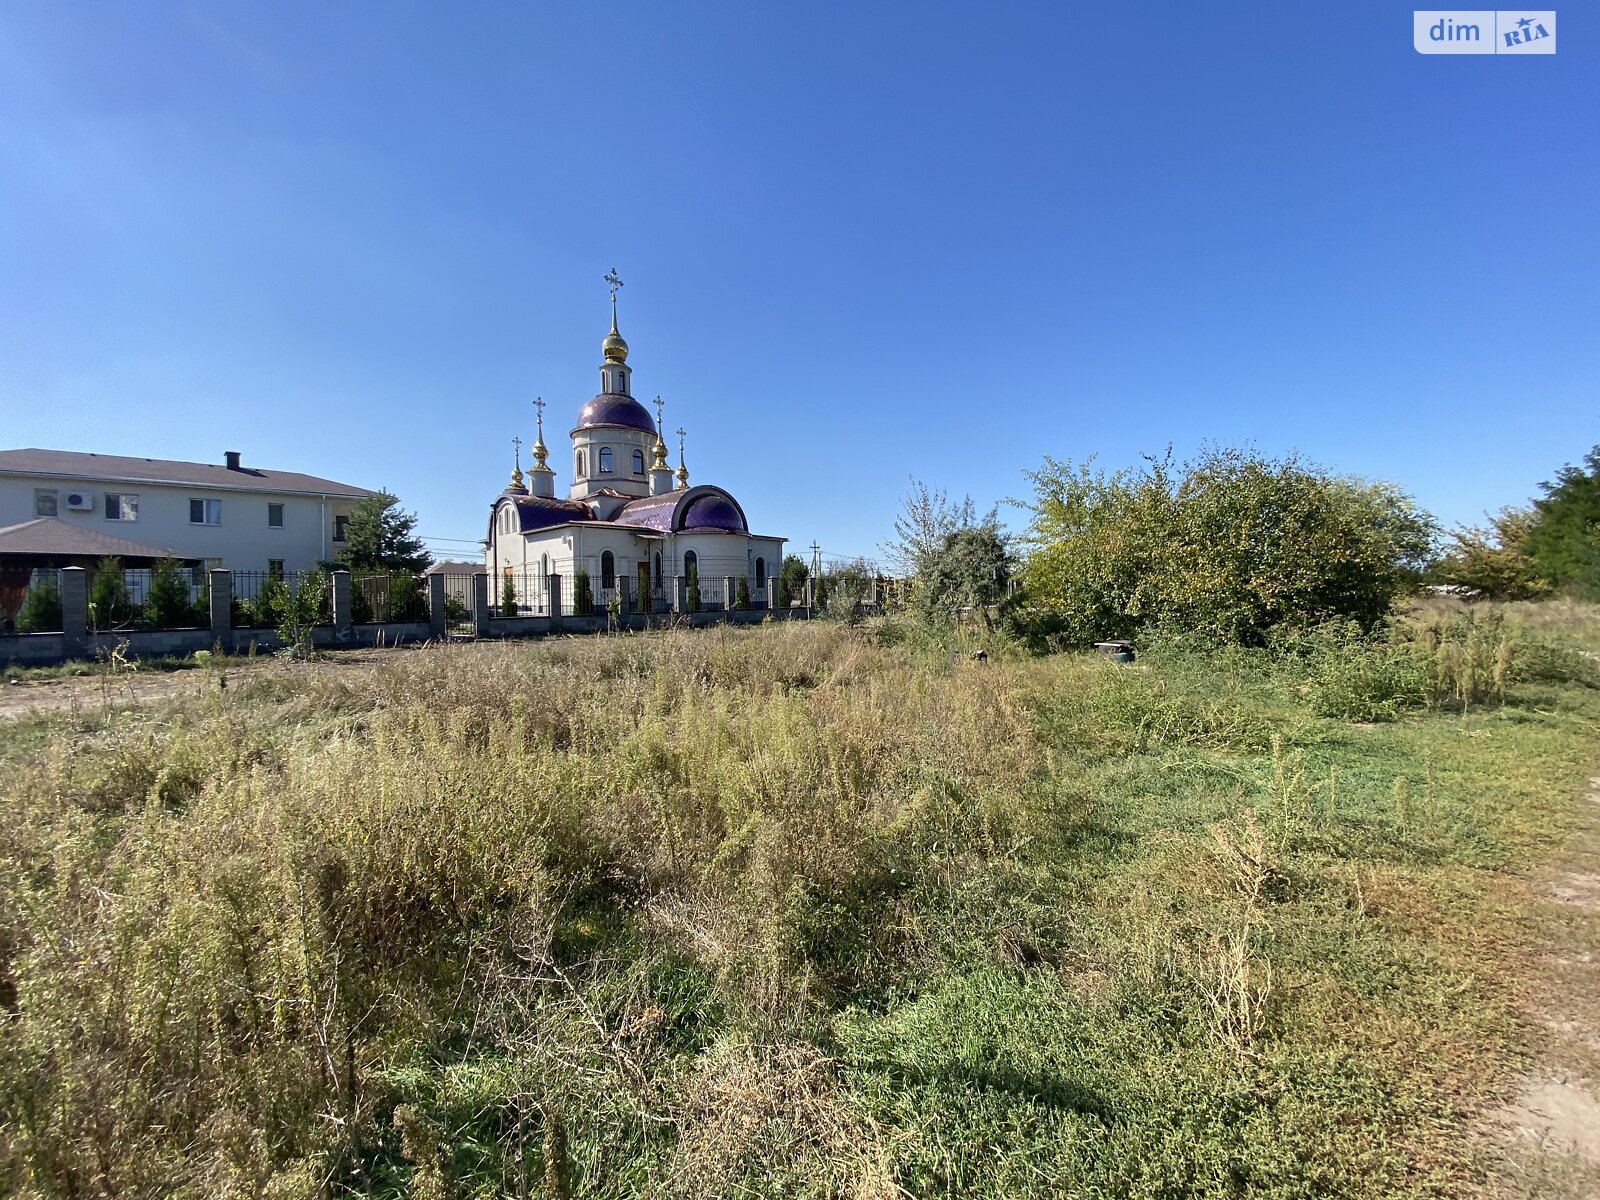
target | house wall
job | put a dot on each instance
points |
(243, 541)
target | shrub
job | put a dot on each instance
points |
(406, 600)
(741, 594)
(1358, 676)
(168, 606)
(41, 610)
(692, 586)
(508, 596)
(109, 604)
(1228, 546)
(791, 580)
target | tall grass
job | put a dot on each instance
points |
(797, 910)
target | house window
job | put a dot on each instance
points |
(274, 516)
(638, 462)
(761, 572)
(339, 526)
(120, 506)
(44, 502)
(275, 568)
(605, 460)
(608, 570)
(205, 512)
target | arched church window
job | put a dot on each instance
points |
(690, 559)
(578, 463)
(608, 570)
(761, 572)
(638, 462)
(544, 565)
(605, 460)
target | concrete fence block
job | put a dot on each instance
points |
(220, 586)
(437, 622)
(74, 611)
(341, 604)
(480, 605)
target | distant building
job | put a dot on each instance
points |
(61, 507)
(625, 516)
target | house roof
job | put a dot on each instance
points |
(52, 537)
(457, 567)
(74, 464)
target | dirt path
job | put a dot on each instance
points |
(1554, 1123)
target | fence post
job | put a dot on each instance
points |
(680, 593)
(624, 601)
(480, 605)
(436, 616)
(74, 611)
(727, 593)
(341, 605)
(220, 593)
(552, 584)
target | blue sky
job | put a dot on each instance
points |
(861, 242)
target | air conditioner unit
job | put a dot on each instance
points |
(82, 501)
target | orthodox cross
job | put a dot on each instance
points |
(657, 403)
(538, 403)
(516, 444)
(680, 444)
(615, 280)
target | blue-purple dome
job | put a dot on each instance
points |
(713, 511)
(611, 408)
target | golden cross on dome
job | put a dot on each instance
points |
(516, 444)
(615, 281)
(538, 403)
(680, 443)
(658, 404)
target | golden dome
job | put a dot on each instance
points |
(614, 348)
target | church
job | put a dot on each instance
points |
(630, 524)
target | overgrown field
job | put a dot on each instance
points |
(801, 910)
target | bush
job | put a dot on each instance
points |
(508, 597)
(582, 594)
(1357, 676)
(692, 586)
(792, 577)
(741, 594)
(109, 604)
(41, 610)
(1227, 546)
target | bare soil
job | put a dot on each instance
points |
(1553, 1124)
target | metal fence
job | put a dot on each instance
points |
(458, 604)
(263, 599)
(393, 596)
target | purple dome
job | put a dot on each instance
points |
(712, 511)
(610, 408)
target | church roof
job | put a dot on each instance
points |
(613, 408)
(698, 508)
(537, 512)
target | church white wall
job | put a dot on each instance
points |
(622, 477)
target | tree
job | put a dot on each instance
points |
(379, 537)
(927, 519)
(845, 588)
(741, 594)
(1563, 539)
(969, 570)
(167, 605)
(692, 586)
(508, 597)
(41, 609)
(1493, 561)
(109, 604)
(1226, 546)
(582, 594)
(792, 576)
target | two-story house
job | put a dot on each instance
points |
(57, 505)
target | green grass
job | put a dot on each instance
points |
(786, 911)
